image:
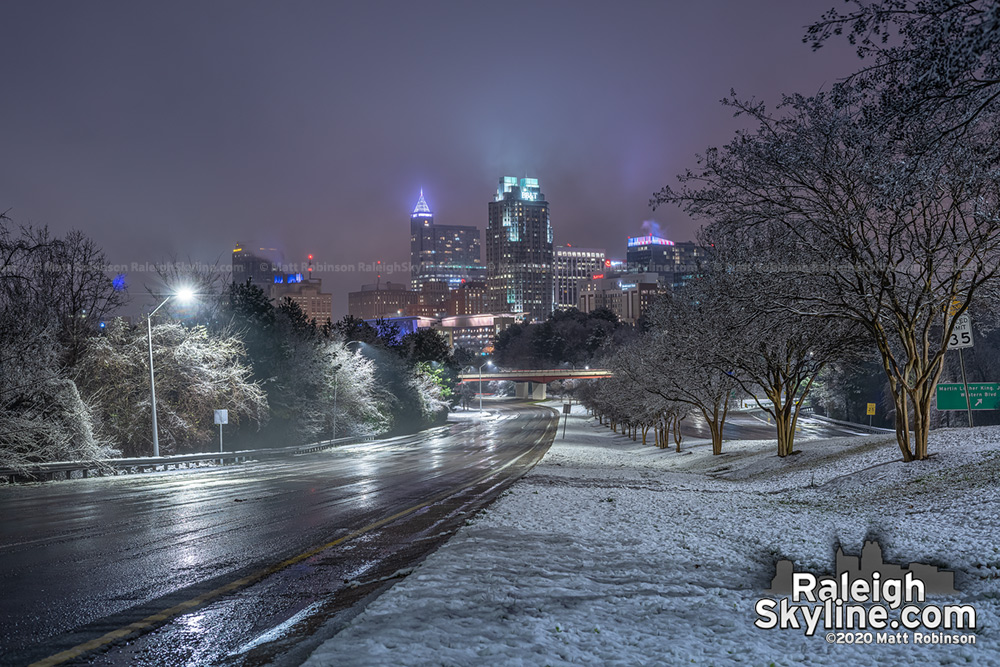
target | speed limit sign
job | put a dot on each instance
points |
(961, 334)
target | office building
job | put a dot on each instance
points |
(468, 299)
(258, 264)
(448, 254)
(381, 300)
(574, 266)
(675, 263)
(519, 253)
(475, 333)
(307, 293)
(629, 295)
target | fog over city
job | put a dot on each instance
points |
(172, 131)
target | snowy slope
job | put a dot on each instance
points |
(611, 553)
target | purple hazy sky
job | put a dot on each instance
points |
(172, 130)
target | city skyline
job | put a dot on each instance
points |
(173, 131)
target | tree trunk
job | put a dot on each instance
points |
(783, 425)
(716, 437)
(901, 404)
(715, 427)
(922, 395)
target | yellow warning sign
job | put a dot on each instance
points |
(871, 409)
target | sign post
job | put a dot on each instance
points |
(221, 417)
(961, 337)
(566, 409)
(870, 412)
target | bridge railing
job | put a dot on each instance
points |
(548, 373)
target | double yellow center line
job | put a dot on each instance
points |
(233, 586)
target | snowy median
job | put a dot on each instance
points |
(614, 553)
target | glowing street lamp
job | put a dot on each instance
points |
(184, 295)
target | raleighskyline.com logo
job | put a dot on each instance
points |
(867, 602)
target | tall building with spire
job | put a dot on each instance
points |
(448, 254)
(519, 253)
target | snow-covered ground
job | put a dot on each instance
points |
(612, 553)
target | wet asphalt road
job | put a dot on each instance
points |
(84, 558)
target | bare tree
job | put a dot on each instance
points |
(61, 284)
(899, 246)
(922, 57)
(680, 360)
(52, 294)
(774, 350)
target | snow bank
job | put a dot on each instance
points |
(612, 553)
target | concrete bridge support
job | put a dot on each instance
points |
(534, 391)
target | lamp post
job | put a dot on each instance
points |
(182, 295)
(488, 363)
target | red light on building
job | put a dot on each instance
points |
(598, 276)
(607, 262)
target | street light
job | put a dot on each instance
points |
(184, 295)
(488, 363)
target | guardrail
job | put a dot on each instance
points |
(865, 427)
(105, 467)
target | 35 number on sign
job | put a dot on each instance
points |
(961, 334)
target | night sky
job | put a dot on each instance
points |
(171, 130)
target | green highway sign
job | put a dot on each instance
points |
(982, 395)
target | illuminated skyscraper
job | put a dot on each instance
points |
(519, 250)
(676, 263)
(574, 266)
(442, 253)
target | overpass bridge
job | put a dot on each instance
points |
(531, 383)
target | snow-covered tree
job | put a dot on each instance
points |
(53, 292)
(775, 352)
(42, 417)
(680, 359)
(196, 373)
(361, 408)
(937, 58)
(885, 240)
(57, 284)
(431, 391)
